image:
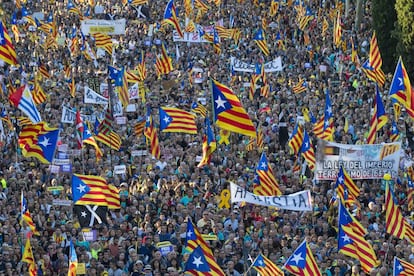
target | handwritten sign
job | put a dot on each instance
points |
(271, 66)
(300, 201)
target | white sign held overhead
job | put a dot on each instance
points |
(271, 66)
(109, 27)
(300, 201)
(93, 97)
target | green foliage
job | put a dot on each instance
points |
(404, 32)
(384, 17)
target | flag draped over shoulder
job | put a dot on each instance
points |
(302, 262)
(228, 113)
(173, 119)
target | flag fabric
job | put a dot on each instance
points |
(79, 129)
(28, 258)
(195, 242)
(345, 180)
(170, 17)
(325, 26)
(94, 190)
(308, 151)
(374, 53)
(38, 95)
(260, 139)
(103, 41)
(395, 133)
(7, 51)
(26, 217)
(268, 185)
(376, 75)
(394, 220)
(402, 267)
(410, 193)
(139, 127)
(112, 139)
(228, 113)
(39, 141)
(89, 216)
(88, 138)
(378, 120)
(345, 218)
(105, 125)
(23, 100)
(337, 37)
(121, 84)
(266, 267)
(260, 39)
(400, 88)
(356, 246)
(324, 128)
(302, 262)
(73, 260)
(306, 18)
(209, 144)
(274, 7)
(71, 8)
(163, 63)
(198, 108)
(296, 139)
(173, 119)
(150, 132)
(141, 68)
(300, 86)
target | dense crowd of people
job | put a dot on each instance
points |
(158, 196)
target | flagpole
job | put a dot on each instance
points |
(250, 267)
(110, 105)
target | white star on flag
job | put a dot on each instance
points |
(45, 142)
(220, 102)
(197, 261)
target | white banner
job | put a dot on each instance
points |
(300, 201)
(132, 90)
(93, 97)
(109, 27)
(360, 161)
(192, 37)
(69, 115)
(271, 66)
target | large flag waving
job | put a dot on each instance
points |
(267, 184)
(23, 100)
(401, 89)
(228, 113)
(201, 260)
(302, 262)
(266, 267)
(39, 141)
(173, 119)
(209, 144)
(26, 217)
(402, 267)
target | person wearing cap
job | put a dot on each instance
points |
(148, 270)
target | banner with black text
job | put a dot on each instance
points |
(300, 201)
